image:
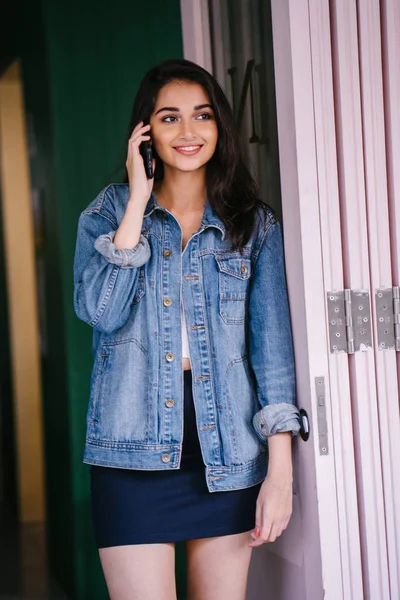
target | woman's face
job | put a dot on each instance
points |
(183, 127)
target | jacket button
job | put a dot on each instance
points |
(169, 357)
(167, 253)
(167, 301)
(166, 458)
(243, 269)
(170, 403)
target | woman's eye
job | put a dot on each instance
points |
(201, 117)
(167, 119)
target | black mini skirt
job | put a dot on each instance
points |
(145, 507)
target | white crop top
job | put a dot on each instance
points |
(185, 341)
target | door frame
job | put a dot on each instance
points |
(196, 32)
(22, 297)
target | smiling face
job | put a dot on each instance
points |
(183, 126)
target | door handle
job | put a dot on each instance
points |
(304, 425)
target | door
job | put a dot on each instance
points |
(360, 45)
(324, 156)
(336, 82)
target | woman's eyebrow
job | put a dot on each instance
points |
(174, 109)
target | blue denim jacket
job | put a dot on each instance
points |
(238, 324)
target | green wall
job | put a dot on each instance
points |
(82, 62)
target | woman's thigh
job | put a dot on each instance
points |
(140, 572)
(217, 567)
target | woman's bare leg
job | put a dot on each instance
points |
(217, 567)
(140, 572)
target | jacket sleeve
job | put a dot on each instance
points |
(105, 278)
(270, 341)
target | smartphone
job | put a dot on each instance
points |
(146, 150)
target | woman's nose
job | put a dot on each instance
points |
(187, 129)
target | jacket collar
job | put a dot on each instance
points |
(210, 218)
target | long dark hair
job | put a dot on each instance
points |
(231, 190)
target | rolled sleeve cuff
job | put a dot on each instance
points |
(276, 418)
(127, 258)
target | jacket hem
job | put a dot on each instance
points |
(144, 457)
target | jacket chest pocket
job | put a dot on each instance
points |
(234, 275)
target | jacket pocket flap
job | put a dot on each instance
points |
(236, 266)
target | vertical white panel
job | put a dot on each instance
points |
(390, 21)
(325, 137)
(221, 54)
(314, 471)
(196, 32)
(356, 276)
(381, 270)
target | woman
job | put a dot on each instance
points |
(181, 277)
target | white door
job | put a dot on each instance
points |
(361, 142)
(336, 189)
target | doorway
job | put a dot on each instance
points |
(22, 550)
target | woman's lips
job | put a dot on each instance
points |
(189, 149)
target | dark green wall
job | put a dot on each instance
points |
(57, 425)
(82, 62)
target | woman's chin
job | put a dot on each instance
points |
(186, 166)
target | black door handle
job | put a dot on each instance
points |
(304, 425)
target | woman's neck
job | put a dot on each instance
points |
(182, 192)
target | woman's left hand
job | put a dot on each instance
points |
(273, 509)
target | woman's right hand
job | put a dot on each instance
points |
(139, 186)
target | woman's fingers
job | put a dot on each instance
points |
(135, 144)
(139, 129)
(138, 126)
(275, 532)
(258, 515)
(265, 530)
(136, 141)
(139, 185)
(268, 532)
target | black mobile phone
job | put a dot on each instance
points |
(146, 150)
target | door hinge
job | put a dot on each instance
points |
(387, 303)
(349, 321)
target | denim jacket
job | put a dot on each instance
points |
(238, 326)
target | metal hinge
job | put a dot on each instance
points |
(349, 321)
(387, 304)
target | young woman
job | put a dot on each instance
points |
(192, 406)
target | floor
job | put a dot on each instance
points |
(23, 572)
